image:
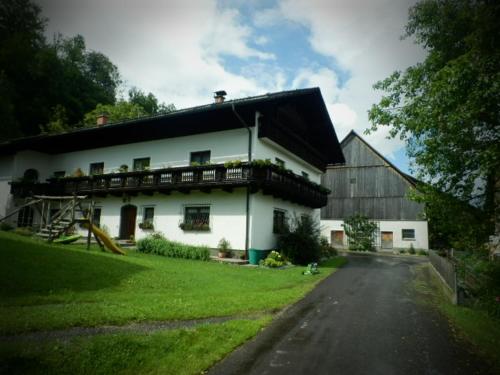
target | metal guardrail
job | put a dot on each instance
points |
(446, 269)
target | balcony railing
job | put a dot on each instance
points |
(270, 179)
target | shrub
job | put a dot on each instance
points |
(421, 252)
(327, 251)
(411, 250)
(301, 242)
(273, 260)
(157, 244)
(360, 231)
(6, 226)
(402, 251)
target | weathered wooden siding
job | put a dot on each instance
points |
(367, 185)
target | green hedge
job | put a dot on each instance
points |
(159, 245)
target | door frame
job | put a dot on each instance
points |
(128, 218)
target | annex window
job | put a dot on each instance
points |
(408, 234)
(196, 218)
(96, 168)
(25, 217)
(279, 221)
(305, 175)
(199, 158)
(280, 163)
(59, 174)
(96, 217)
(141, 164)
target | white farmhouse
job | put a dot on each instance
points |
(196, 175)
(370, 185)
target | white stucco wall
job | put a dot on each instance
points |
(28, 159)
(164, 153)
(5, 177)
(421, 240)
(261, 218)
(227, 216)
(267, 149)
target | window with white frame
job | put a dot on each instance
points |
(279, 221)
(196, 218)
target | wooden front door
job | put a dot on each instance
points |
(386, 240)
(337, 238)
(127, 222)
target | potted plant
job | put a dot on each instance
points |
(224, 248)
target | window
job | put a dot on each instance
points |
(96, 217)
(200, 158)
(408, 234)
(305, 175)
(148, 215)
(352, 180)
(59, 174)
(280, 163)
(279, 221)
(141, 164)
(96, 168)
(196, 218)
(25, 217)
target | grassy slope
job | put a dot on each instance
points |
(475, 326)
(180, 351)
(48, 287)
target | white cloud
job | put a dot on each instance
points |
(363, 37)
(171, 48)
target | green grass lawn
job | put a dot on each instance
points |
(47, 287)
(476, 326)
(179, 352)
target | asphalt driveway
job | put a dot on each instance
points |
(364, 319)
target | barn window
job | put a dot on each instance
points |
(408, 234)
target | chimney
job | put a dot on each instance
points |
(102, 119)
(220, 96)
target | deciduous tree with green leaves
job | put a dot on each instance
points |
(360, 232)
(447, 109)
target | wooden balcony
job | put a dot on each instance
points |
(270, 179)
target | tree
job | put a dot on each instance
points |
(36, 77)
(122, 110)
(447, 109)
(149, 102)
(360, 232)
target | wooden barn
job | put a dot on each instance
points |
(370, 185)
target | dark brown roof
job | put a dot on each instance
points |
(310, 135)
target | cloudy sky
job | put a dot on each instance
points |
(183, 50)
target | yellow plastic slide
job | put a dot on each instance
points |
(108, 242)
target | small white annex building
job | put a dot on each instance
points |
(369, 185)
(196, 175)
